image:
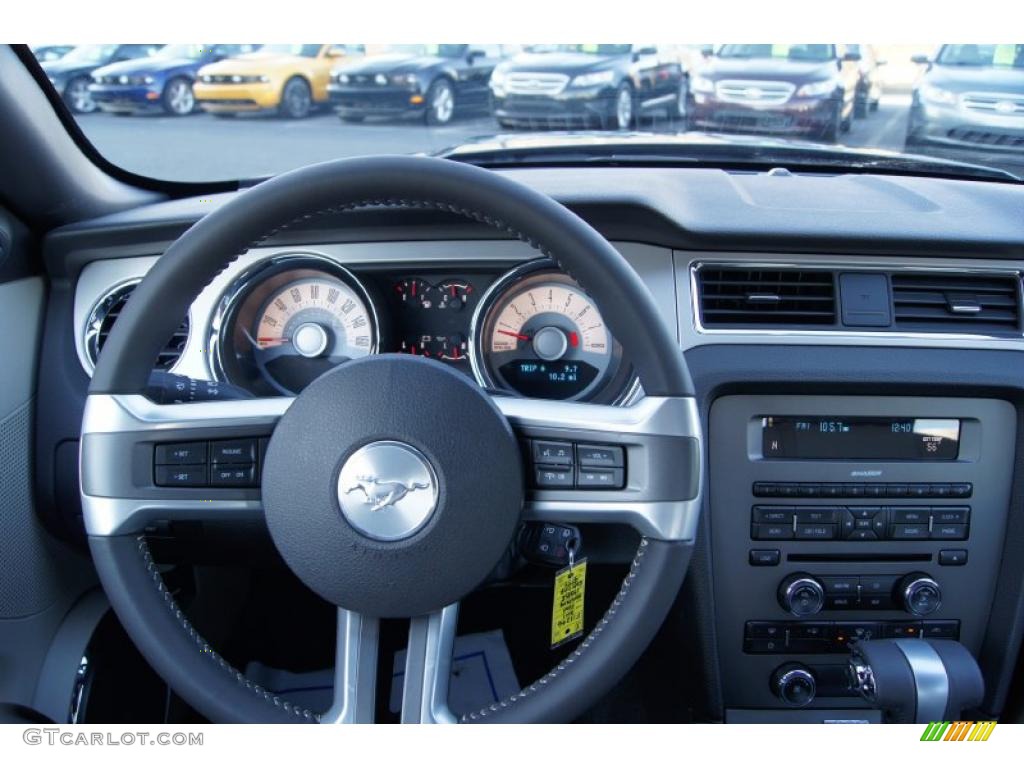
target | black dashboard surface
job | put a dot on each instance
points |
(702, 208)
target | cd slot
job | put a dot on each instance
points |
(856, 557)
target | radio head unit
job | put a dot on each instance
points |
(860, 438)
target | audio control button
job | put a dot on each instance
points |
(801, 594)
(910, 532)
(815, 532)
(920, 593)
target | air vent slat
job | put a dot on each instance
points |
(106, 313)
(764, 297)
(952, 303)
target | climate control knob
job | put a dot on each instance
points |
(920, 594)
(794, 685)
(801, 594)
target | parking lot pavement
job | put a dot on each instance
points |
(203, 148)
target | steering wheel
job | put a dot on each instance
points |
(459, 448)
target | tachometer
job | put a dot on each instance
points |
(291, 322)
(539, 334)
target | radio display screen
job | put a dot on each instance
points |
(873, 438)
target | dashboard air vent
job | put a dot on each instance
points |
(105, 314)
(766, 297)
(953, 303)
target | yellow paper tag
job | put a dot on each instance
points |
(567, 610)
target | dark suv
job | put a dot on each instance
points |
(803, 90)
(606, 85)
(970, 96)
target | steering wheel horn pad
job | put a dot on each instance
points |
(406, 404)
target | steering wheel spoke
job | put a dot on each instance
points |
(428, 664)
(657, 490)
(125, 484)
(355, 669)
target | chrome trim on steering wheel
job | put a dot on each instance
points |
(659, 434)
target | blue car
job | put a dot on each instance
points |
(158, 83)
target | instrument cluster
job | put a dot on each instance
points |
(530, 331)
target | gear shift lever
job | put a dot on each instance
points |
(916, 681)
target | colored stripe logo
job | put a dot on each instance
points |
(959, 731)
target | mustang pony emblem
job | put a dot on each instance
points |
(380, 494)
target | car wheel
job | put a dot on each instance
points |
(624, 108)
(860, 106)
(78, 98)
(830, 133)
(678, 109)
(178, 99)
(296, 99)
(440, 103)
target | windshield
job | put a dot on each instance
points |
(308, 51)
(943, 109)
(799, 52)
(1005, 56)
(88, 53)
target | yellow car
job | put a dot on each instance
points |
(291, 79)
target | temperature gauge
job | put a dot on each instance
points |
(453, 294)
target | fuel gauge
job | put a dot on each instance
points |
(416, 292)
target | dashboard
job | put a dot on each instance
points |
(856, 343)
(278, 319)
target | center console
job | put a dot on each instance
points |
(835, 519)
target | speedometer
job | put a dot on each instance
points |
(294, 320)
(540, 335)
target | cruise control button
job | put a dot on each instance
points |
(599, 478)
(549, 452)
(181, 453)
(553, 477)
(192, 475)
(233, 451)
(599, 456)
(236, 475)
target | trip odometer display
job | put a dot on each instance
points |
(293, 321)
(541, 335)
